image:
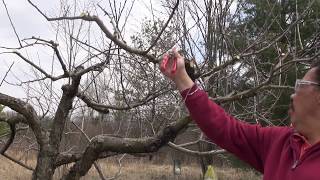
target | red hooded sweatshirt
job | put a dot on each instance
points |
(274, 151)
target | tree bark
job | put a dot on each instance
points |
(45, 166)
(49, 152)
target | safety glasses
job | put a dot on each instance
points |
(300, 82)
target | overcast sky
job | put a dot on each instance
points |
(26, 19)
(28, 23)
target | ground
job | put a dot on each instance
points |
(131, 169)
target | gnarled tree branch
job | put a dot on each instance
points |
(27, 111)
(105, 143)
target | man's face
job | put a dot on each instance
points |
(304, 102)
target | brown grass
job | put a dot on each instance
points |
(131, 169)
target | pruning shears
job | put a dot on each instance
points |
(165, 61)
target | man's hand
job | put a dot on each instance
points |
(179, 75)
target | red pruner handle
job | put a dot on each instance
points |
(164, 63)
(174, 67)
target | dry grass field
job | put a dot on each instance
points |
(131, 170)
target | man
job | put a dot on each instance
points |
(280, 153)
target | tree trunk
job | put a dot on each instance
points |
(45, 164)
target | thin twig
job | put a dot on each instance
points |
(105, 30)
(14, 29)
(5, 76)
(37, 67)
(105, 108)
(96, 165)
(164, 27)
(197, 153)
(119, 170)
(18, 162)
(54, 46)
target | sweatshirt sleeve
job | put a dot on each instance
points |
(246, 141)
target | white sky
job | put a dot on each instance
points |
(27, 23)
